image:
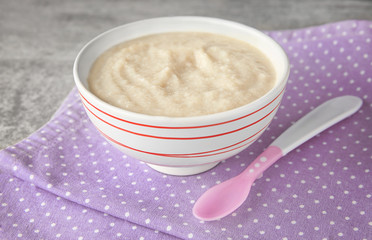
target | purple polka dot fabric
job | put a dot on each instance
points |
(65, 181)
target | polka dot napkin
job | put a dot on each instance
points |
(66, 182)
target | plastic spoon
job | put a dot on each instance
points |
(224, 198)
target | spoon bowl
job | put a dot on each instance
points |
(235, 191)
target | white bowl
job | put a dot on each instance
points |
(181, 145)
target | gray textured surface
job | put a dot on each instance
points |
(40, 39)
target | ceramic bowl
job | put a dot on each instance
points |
(181, 145)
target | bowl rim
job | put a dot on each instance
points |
(186, 120)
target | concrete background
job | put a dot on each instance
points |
(39, 40)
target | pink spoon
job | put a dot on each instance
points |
(224, 198)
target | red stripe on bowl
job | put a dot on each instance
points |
(177, 155)
(188, 127)
(185, 138)
(258, 132)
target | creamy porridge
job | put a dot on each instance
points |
(181, 74)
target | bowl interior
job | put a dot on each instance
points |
(123, 33)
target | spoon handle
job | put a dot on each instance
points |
(316, 121)
(319, 119)
(263, 162)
